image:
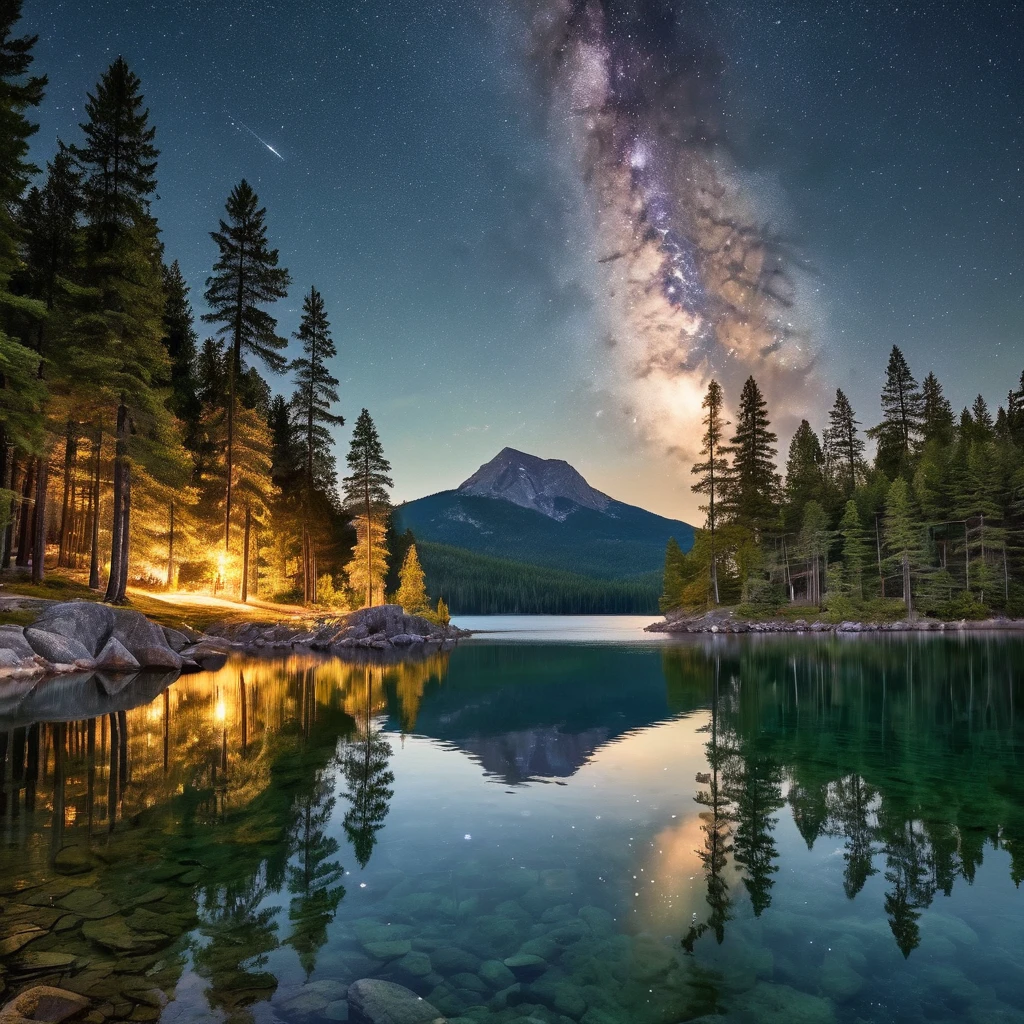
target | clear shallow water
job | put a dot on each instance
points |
(778, 830)
(561, 628)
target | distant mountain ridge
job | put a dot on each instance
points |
(543, 485)
(542, 512)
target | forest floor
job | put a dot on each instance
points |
(21, 601)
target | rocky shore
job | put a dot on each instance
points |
(381, 628)
(85, 636)
(725, 622)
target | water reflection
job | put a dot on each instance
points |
(216, 835)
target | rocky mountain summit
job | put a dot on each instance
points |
(549, 486)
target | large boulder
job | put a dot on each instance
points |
(87, 622)
(115, 657)
(383, 1002)
(145, 641)
(43, 1003)
(12, 638)
(57, 648)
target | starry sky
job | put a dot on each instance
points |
(432, 187)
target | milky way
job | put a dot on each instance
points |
(693, 281)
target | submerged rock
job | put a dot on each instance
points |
(43, 1003)
(383, 1002)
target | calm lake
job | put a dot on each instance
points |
(789, 830)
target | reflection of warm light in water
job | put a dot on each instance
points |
(70, 813)
(671, 882)
(220, 712)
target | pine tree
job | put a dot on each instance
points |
(903, 537)
(412, 591)
(118, 354)
(316, 391)
(181, 342)
(22, 393)
(805, 473)
(246, 277)
(845, 444)
(713, 470)
(366, 496)
(753, 484)
(937, 420)
(902, 413)
(855, 550)
(814, 542)
(118, 156)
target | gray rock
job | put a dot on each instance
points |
(88, 622)
(43, 1003)
(145, 640)
(9, 659)
(56, 648)
(12, 638)
(526, 966)
(383, 1002)
(115, 657)
(205, 655)
(176, 640)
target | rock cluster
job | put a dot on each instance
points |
(82, 636)
(381, 628)
(723, 622)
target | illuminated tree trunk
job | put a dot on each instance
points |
(39, 522)
(114, 593)
(70, 447)
(94, 512)
(170, 551)
(25, 520)
(245, 554)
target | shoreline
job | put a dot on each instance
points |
(717, 623)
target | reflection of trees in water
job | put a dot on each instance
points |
(314, 876)
(365, 768)
(906, 751)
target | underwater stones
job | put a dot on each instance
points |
(650, 960)
(839, 981)
(113, 933)
(417, 904)
(88, 903)
(314, 999)
(383, 1002)
(388, 949)
(495, 974)
(526, 966)
(542, 946)
(43, 1003)
(415, 964)
(19, 939)
(73, 860)
(599, 920)
(780, 1004)
(496, 934)
(451, 960)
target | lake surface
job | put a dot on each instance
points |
(780, 830)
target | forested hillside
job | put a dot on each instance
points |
(474, 584)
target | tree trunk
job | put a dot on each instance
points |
(70, 450)
(170, 551)
(126, 533)
(117, 523)
(25, 516)
(245, 554)
(39, 519)
(369, 546)
(878, 548)
(94, 513)
(8, 480)
(231, 442)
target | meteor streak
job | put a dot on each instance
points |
(236, 123)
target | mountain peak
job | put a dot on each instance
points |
(543, 485)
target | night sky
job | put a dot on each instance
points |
(432, 187)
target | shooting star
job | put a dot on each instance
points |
(236, 123)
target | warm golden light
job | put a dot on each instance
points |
(220, 712)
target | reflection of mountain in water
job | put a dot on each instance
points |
(542, 711)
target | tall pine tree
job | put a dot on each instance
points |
(712, 471)
(316, 391)
(902, 413)
(246, 277)
(367, 499)
(753, 484)
(846, 447)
